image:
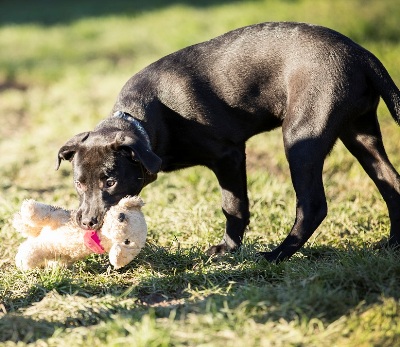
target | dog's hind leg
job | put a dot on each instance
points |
(230, 170)
(306, 158)
(310, 130)
(364, 140)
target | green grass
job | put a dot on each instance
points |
(61, 68)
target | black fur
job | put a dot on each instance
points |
(201, 104)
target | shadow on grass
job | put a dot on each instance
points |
(17, 328)
(46, 12)
(322, 282)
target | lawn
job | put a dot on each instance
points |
(61, 68)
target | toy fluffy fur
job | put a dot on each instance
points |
(54, 239)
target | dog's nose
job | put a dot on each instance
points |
(89, 222)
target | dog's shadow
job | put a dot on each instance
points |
(91, 8)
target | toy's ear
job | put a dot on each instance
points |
(67, 151)
(131, 202)
(139, 150)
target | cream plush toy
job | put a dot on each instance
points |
(54, 238)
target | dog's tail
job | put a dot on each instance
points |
(384, 85)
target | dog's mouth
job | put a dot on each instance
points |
(101, 218)
(97, 223)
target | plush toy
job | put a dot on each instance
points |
(54, 238)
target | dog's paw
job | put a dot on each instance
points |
(220, 249)
(216, 250)
(387, 245)
(271, 257)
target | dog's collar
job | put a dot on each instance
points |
(147, 177)
(136, 123)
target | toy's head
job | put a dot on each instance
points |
(124, 225)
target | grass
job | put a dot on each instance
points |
(61, 68)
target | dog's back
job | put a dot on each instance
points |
(252, 77)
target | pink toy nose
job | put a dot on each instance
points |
(92, 241)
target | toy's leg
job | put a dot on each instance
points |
(29, 256)
(37, 214)
(32, 254)
(20, 224)
(53, 264)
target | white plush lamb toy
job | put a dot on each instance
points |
(54, 238)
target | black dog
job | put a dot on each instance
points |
(198, 106)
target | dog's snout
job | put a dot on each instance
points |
(90, 222)
(87, 222)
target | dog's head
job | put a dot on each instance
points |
(108, 164)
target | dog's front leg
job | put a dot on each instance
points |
(231, 174)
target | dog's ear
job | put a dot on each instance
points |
(139, 150)
(67, 151)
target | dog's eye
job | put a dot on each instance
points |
(110, 182)
(127, 242)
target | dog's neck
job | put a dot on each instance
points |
(147, 177)
(134, 122)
